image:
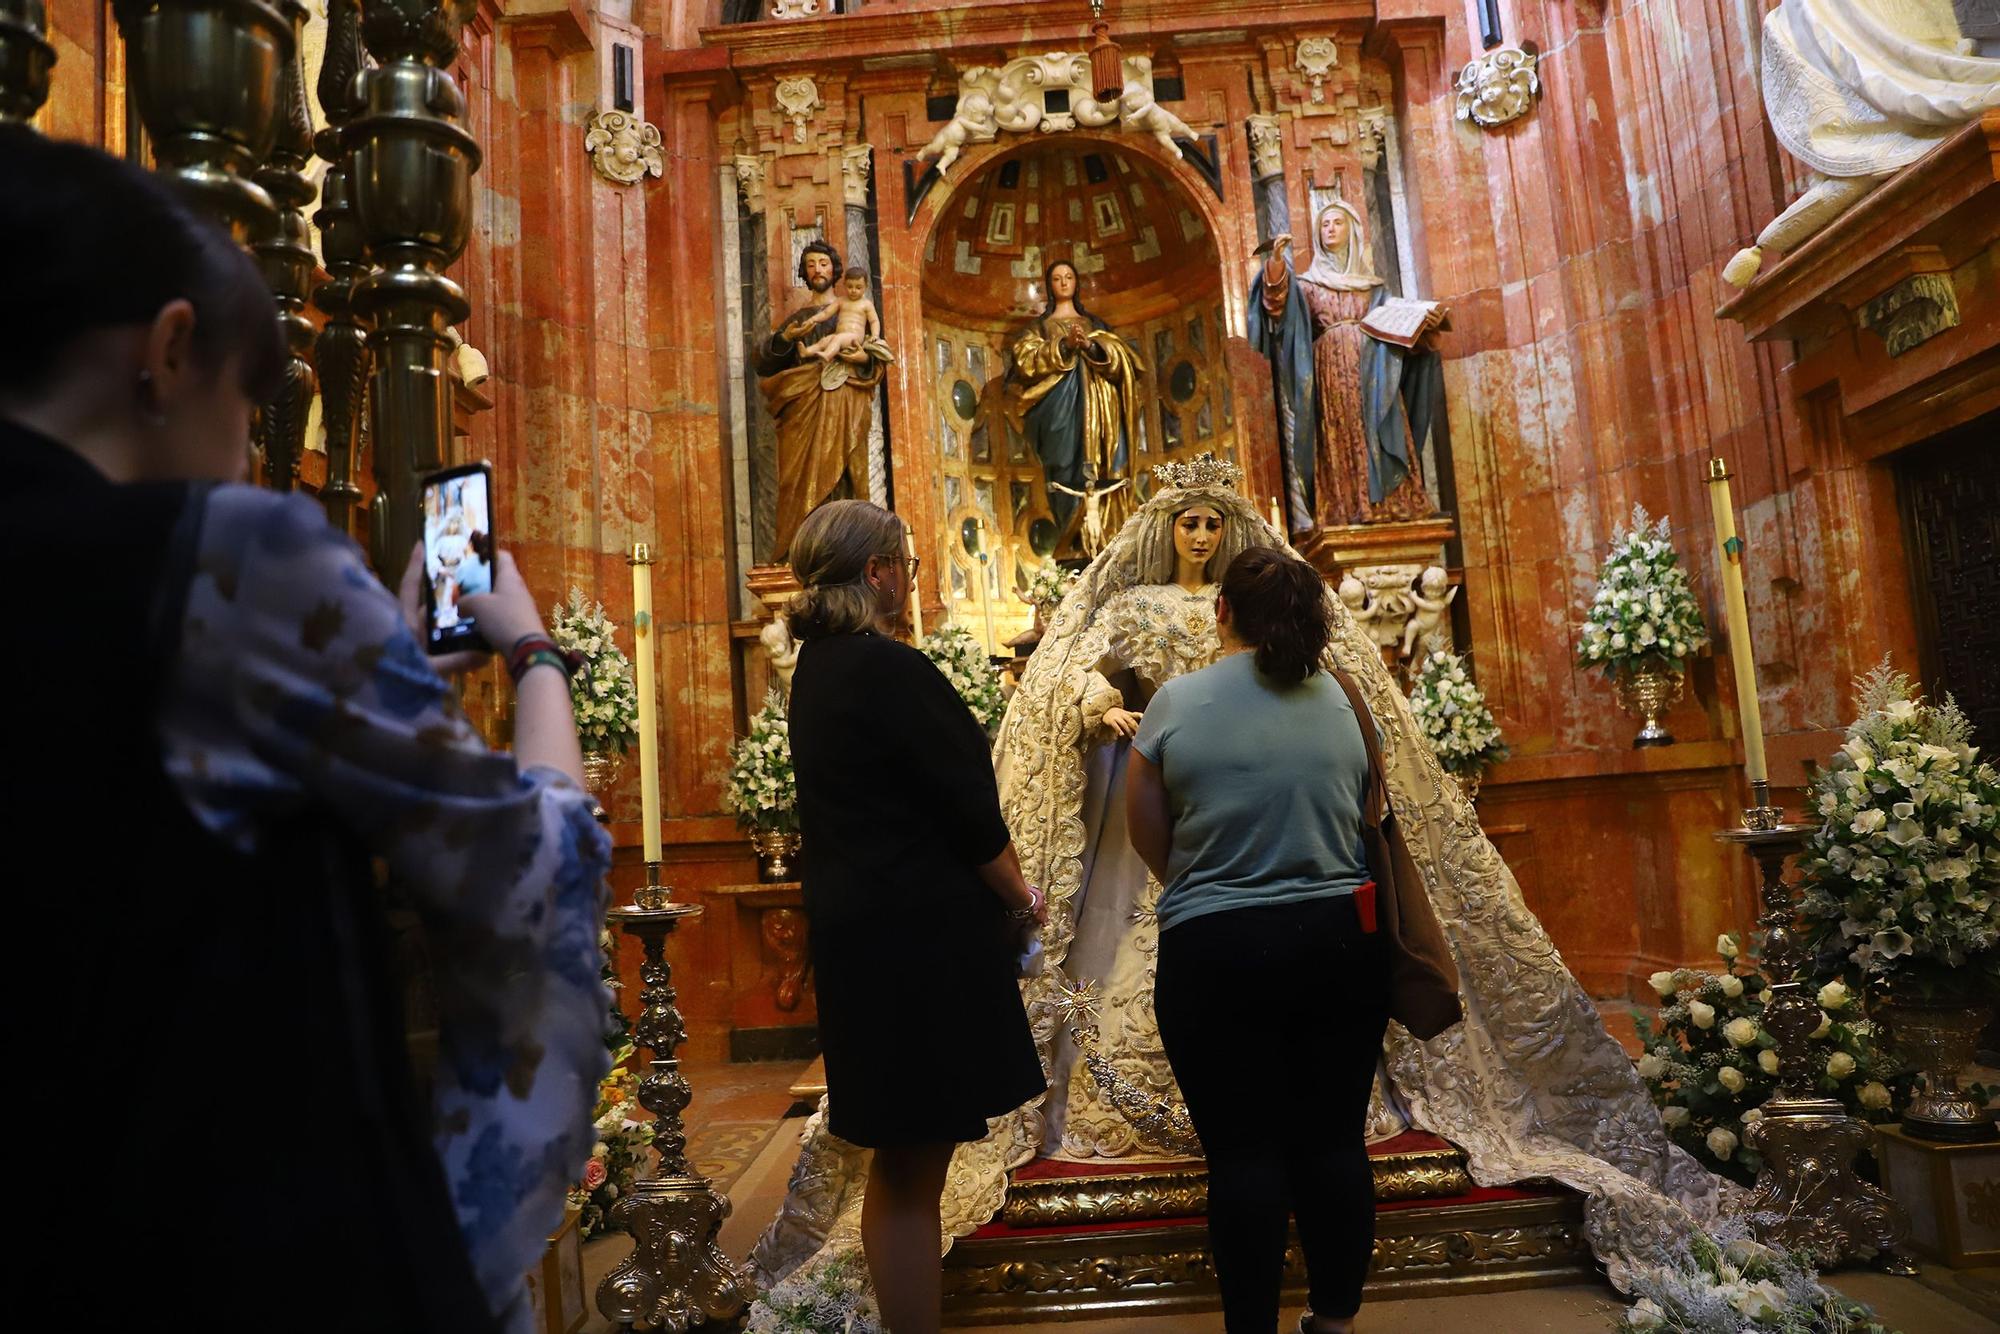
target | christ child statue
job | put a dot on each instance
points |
(858, 321)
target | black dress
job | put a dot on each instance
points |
(920, 1014)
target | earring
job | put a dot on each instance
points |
(152, 414)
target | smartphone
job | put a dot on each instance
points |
(458, 553)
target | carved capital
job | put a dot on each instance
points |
(1371, 126)
(1316, 59)
(1498, 87)
(797, 99)
(623, 148)
(797, 9)
(856, 165)
(750, 172)
(1915, 310)
(1267, 147)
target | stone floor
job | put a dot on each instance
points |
(739, 1125)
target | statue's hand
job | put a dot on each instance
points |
(858, 356)
(1123, 722)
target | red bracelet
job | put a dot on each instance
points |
(531, 649)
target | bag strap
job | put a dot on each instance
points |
(1364, 718)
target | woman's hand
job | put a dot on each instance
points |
(508, 614)
(1123, 722)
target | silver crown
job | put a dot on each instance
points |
(1203, 470)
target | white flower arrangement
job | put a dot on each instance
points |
(1902, 876)
(1049, 586)
(1643, 615)
(972, 674)
(762, 790)
(602, 695)
(1728, 1283)
(829, 1298)
(1452, 715)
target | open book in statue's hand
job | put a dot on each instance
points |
(1404, 322)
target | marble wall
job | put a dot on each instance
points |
(1578, 248)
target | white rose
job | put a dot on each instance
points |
(1840, 1065)
(1702, 1014)
(1651, 1066)
(1741, 1032)
(1664, 982)
(1767, 1061)
(1730, 1078)
(1726, 946)
(1761, 1301)
(1751, 1117)
(1833, 995)
(1868, 821)
(1721, 1142)
(1674, 1117)
(1732, 986)
(1645, 1316)
(1825, 1025)
(1874, 1095)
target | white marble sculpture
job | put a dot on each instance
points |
(1857, 90)
(1013, 99)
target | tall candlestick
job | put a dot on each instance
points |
(649, 732)
(1277, 517)
(986, 591)
(916, 588)
(1729, 560)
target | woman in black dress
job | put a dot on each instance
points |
(915, 897)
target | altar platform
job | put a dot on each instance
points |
(1081, 1240)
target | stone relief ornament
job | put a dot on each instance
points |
(856, 164)
(1498, 87)
(1267, 152)
(797, 99)
(796, 9)
(1315, 59)
(1048, 94)
(623, 148)
(750, 181)
(1371, 126)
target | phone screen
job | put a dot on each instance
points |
(458, 555)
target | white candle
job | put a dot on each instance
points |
(916, 587)
(985, 591)
(1729, 560)
(649, 732)
(1277, 517)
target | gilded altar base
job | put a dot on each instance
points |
(1074, 1243)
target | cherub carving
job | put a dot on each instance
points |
(1432, 602)
(972, 123)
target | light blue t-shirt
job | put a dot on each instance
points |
(1265, 784)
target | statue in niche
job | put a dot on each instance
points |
(822, 407)
(1357, 389)
(1072, 393)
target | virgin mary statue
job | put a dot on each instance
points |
(1529, 1085)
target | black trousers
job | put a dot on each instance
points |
(1272, 1019)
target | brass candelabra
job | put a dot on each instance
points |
(1807, 1196)
(676, 1278)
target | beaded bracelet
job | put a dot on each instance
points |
(533, 650)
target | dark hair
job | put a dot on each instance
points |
(1049, 286)
(855, 271)
(1277, 605)
(89, 241)
(817, 247)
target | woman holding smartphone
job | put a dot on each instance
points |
(917, 907)
(227, 736)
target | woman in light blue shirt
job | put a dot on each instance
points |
(1245, 798)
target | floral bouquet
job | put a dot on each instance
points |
(602, 695)
(762, 790)
(832, 1298)
(964, 663)
(1902, 877)
(1643, 615)
(1730, 1284)
(1049, 586)
(1452, 715)
(1710, 1064)
(623, 1142)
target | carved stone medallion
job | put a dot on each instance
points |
(797, 99)
(623, 148)
(1315, 59)
(1498, 87)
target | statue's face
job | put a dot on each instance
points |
(819, 271)
(1333, 230)
(856, 288)
(1062, 282)
(1197, 533)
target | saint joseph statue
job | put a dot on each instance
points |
(822, 408)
